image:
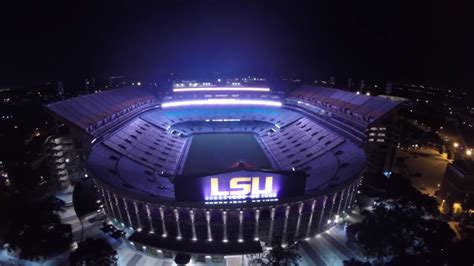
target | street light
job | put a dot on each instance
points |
(469, 152)
(456, 144)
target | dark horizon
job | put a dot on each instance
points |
(377, 42)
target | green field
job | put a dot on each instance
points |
(219, 151)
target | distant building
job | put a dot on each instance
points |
(60, 89)
(388, 88)
(456, 193)
(65, 159)
(116, 82)
(89, 84)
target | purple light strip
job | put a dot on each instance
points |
(221, 89)
(221, 102)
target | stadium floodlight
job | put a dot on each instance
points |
(224, 101)
(262, 89)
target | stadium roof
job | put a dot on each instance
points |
(366, 109)
(91, 112)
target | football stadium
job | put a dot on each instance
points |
(216, 171)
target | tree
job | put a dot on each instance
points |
(401, 229)
(35, 241)
(278, 253)
(35, 230)
(93, 252)
(370, 237)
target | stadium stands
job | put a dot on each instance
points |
(149, 145)
(194, 127)
(93, 112)
(361, 108)
(165, 119)
(300, 143)
(116, 168)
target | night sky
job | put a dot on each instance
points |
(417, 41)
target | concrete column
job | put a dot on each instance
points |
(113, 215)
(285, 225)
(127, 212)
(208, 220)
(163, 224)
(104, 201)
(348, 196)
(135, 206)
(178, 227)
(310, 221)
(193, 226)
(298, 222)
(117, 206)
(150, 221)
(340, 201)
(322, 214)
(257, 221)
(241, 225)
(272, 220)
(224, 225)
(333, 201)
(353, 192)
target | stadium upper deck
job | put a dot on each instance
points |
(361, 108)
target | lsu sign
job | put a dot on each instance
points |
(240, 184)
(244, 186)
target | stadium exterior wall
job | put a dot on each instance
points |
(289, 219)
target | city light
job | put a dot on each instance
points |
(221, 102)
(221, 89)
(469, 152)
(456, 144)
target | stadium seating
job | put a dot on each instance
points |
(116, 168)
(148, 145)
(299, 143)
(166, 118)
(93, 112)
(194, 127)
(356, 107)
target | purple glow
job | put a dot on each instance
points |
(255, 186)
(221, 89)
(221, 102)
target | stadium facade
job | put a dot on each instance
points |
(319, 142)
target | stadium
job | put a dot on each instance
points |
(215, 171)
